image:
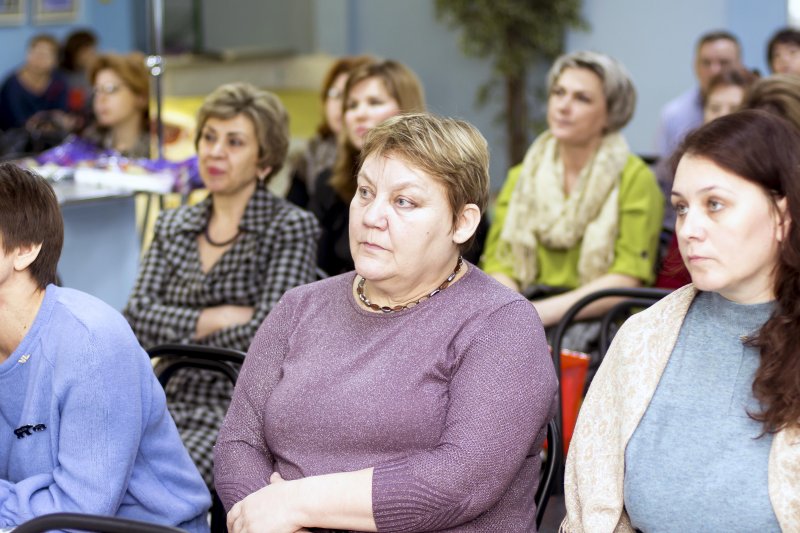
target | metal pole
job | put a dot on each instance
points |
(155, 63)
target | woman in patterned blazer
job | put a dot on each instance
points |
(215, 270)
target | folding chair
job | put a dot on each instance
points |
(174, 357)
(550, 468)
(86, 522)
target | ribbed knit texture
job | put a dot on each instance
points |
(448, 401)
(696, 461)
(102, 441)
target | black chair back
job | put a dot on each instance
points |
(223, 360)
(550, 469)
(85, 522)
(176, 356)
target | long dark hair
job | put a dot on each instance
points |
(765, 149)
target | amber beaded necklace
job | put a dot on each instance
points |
(387, 309)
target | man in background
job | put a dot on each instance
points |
(715, 52)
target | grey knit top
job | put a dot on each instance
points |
(697, 462)
(448, 401)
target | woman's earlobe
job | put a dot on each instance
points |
(26, 255)
(262, 173)
(784, 222)
(466, 223)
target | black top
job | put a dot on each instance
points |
(333, 252)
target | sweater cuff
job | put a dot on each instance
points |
(403, 502)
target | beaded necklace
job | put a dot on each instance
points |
(387, 309)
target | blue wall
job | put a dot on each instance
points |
(110, 20)
(656, 42)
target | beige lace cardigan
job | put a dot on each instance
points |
(615, 404)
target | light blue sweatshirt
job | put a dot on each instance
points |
(84, 425)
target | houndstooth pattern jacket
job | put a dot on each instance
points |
(275, 252)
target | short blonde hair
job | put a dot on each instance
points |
(265, 110)
(451, 151)
(618, 88)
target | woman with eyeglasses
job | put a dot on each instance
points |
(119, 133)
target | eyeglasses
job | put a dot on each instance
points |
(108, 88)
(334, 93)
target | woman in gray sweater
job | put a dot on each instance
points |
(693, 420)
(410, 395)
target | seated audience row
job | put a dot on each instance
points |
(401, 207)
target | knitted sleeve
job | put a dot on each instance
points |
(501, 398)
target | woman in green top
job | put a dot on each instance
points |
(581, 212)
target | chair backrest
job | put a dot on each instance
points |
(85, 522)
(634, 299)
(550, 469)
(223, 360)
(177, 356)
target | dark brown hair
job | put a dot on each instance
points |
(784, 36)
(764, 149)
(730, 77)
(403, 85)
(76, 41)
(343, 65)
(29, 214)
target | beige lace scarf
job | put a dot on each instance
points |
(539, 212)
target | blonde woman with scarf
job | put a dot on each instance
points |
(581, 212)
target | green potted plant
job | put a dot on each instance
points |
(517, 35)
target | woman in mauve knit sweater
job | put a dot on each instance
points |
(387, 399)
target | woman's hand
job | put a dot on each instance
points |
(269, 510)
(213, 319)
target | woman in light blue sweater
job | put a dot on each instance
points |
(83, 421)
